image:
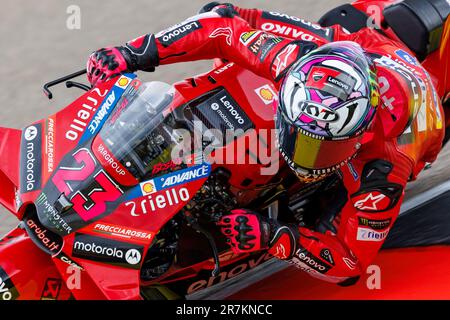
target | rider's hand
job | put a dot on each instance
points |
(108, 63)
(223, 9)
(248, 231)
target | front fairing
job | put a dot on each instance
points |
(144, 207)
(111, 167)
(99, 215)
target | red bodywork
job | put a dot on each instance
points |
(395, 274)
(62, 132)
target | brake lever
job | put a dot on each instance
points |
(53, 83)
(73, 84)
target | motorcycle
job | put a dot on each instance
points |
(107, 214)
(105, 210)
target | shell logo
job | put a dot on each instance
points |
(148, 187)
(123, 82)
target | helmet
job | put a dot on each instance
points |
(327, 101)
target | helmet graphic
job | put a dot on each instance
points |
(327, 101)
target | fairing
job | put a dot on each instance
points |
(88, 198)
(129, 217)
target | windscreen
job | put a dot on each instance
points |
(142, 131)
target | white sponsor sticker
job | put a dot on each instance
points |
(367, 234)
(267, 94)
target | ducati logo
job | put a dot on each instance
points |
(317, 76)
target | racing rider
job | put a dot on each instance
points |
(357, 105)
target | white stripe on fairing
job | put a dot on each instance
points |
(234, 285)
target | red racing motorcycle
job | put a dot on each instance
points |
(107, 212)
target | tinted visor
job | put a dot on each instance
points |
(312, 153)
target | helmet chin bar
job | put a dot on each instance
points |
(314, 175)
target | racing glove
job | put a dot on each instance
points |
(223, 9)
(247, 231)
(107, 63)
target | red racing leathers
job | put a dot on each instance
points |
(407, 131)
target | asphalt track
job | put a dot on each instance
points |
(38, 47)
(413, 263)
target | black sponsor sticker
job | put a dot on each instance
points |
(221, 111)
(313, 28)
(31, 159)
(107, 251)
(51, 290)
(312, 262)
(255, 46)
(7, 289)
(327, 256)
(179, 32)
(375, 224)
(48, 215)
(46, 240)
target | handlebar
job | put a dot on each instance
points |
(69, 84)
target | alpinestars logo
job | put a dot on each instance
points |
(107, 251)
(306, 261)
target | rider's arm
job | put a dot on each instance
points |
(220, 35)
(340, 249)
